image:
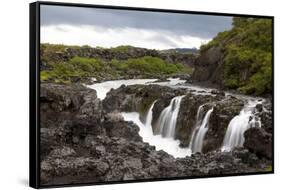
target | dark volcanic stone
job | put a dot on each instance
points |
(208, 66)
(222, 114)
(84, 140)
(257, 140)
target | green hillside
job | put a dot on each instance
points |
(247, 55)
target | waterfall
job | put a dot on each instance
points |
(149, 116)
(168, 118)
(234, 136)
(200, 130)
(169, 145)
(197, 125)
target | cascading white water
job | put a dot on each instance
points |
(234, 136)
(197, 125)
(168, 144)
(168, 118)
(200, 130)
(149, 117)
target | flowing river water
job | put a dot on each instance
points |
(167, 121)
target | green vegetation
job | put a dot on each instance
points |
(121, 49)
(76, 68)
(269, 169)
(50, 53)
(149, 65)
(80, 68)
(247, 51)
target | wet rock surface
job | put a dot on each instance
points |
(259, 141)
(85, 140)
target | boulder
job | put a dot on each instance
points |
(258, 141)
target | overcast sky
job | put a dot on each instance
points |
(110, 28)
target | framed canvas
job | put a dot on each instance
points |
(122, 94)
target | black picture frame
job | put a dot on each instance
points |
(34, 90)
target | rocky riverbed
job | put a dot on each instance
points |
(86, 139)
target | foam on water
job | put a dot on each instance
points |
(167, 144)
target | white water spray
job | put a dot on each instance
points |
(168, 144)
(168, 118)
(234, 136)
(198, 134)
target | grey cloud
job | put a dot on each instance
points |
(62, 29)
(163, 39)
(202, 26)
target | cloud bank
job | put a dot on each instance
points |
(109, 27)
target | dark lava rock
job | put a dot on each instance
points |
(115, 127)
(257, 140)
(139, 98)
(266, 117)
(86, 141)
(218, 92)
(222, 114)
(209, 66)
(259, 107)
(187, 115)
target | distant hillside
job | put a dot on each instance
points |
(181, 50)
(240, 58)
(67, 64)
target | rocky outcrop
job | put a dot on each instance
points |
(185, 59)
(108, 54)
(65, 110)
(209, 66)
(223, 112)
(186, 121)
(257, 140)
(139, 98)
(114, 53)
(117, 159)
(84, 140)
(265, 113)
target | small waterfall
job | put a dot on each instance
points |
(197, 125)
(149, 116)
(169, 145)
(234, 136)
(201, 128)
(168, 118)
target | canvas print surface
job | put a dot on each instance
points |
(144, 95)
